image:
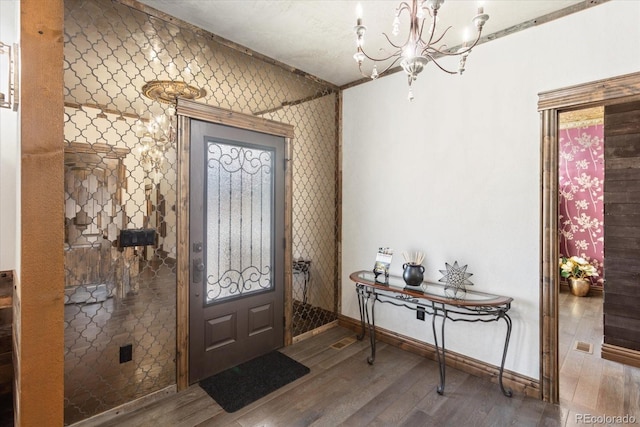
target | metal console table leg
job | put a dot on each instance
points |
(439, 349)
(361, 308)
(505, 316)
(371, 321)
(364, 296)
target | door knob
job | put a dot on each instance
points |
(198, 268)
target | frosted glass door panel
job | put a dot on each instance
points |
(239, 221)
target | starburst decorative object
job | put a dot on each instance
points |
(421, 45)
(456, 280)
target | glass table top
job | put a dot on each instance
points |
(429, 290)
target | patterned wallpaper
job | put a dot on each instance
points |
(581, 180)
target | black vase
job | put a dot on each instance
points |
(413, 274)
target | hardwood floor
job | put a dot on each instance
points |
(400, 389)
(588, 383)
(342, 389)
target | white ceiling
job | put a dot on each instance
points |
(316, 36)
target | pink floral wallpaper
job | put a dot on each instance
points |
(581, 179)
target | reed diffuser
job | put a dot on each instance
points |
(415, 258)
(413, 270)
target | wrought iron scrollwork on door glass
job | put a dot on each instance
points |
(239, 220)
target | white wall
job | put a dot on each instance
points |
(9, 152)
(455, 173)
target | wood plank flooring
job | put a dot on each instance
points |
(342, 389)
(590, 384)
(400, 388)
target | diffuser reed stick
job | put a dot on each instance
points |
(415, 258)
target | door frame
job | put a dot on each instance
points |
(187, 110)
(615, 90)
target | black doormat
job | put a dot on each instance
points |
(241, 385)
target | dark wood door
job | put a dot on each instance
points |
(622, 225)
(236, 246)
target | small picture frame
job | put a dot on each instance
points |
(383, 262)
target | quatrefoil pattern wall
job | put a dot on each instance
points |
(120, 174)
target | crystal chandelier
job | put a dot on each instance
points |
(421, 44)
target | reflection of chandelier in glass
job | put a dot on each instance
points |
(419, 48)
(161, 128)
(156, 136)
(159, 133)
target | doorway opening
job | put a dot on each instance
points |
(581, 246)
(581, 194)
(613, 91)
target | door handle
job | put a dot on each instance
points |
(198, 268)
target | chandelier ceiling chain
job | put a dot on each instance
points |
(420, 46)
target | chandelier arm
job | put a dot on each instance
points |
(380, 59)
(363, 74)
(472, 45)
(393, 63)
(442, 51)
(433, 16)
(421, 31)
(450, 52)
(402, 6)
(441, 67)
(399, 47)
(431, 42)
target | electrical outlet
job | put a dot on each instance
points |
(420, 313)
(126, 353)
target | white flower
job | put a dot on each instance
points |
(567, 267)
(581, 245)
(579, 260)
(582, 204)
(577, 267)
(582, 164)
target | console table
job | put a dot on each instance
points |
(429, 298)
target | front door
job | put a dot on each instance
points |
(236, 242)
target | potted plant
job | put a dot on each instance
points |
(577, 270)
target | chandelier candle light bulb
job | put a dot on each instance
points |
(466, 36)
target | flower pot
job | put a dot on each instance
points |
(579, 287)
(413, 274)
